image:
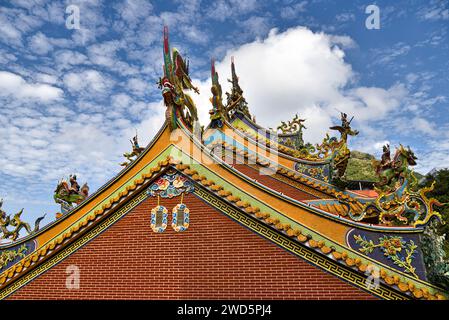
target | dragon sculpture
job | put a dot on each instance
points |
(331, 149)
(218, 112)
(399, 201)
(391, 172)
(66, 195)
(176, 79)
(131, 156)
(16, 223)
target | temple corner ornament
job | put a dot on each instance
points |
(175, 80)
(67, 195)
(136, 151)
(10, 227)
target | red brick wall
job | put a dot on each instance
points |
(215, 258)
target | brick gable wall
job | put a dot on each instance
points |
(216, 258)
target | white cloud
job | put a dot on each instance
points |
(345, 17)
(9, 32)
(121, 101)
(6, 57)
(40, 44)
(292, 11)
(256, 26)
(195, 35)
(424, 126)
(46, 78)
(299, 71)
(104, 53)
(224, 9)
(375, 103)
(436, 10)
(65, 59)
(14, 85)
(88, 81)
(137, 86)
(132, 11)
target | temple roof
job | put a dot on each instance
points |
(291, 196)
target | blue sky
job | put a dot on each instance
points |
(71, 99)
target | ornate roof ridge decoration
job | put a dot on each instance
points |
(66, 195)
(298, 234)
(345, 204)
(333, 249)
(170, 185)
(134, 154)
(218, 113)
(53, 245)
(16, 270)
(299, 154)
(292, 135)
(16, 223)
(235, 100)
(330, 150)
(175, 81)
(292, 126)
(341, 205)
(10, 255)
(291, 174)
(399, 200)
(393, 247)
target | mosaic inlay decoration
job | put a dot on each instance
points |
(317, 172)
(8, 256)
(11, 256)
(170, 185)
(401, 253)
(159, 219)
(180, 211)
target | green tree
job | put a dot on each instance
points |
(441, 193)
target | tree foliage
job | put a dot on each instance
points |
(441, 193)
(360, 167)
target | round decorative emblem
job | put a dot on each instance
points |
(159, 218)
(180, 218)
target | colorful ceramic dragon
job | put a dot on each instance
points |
(17, 224)
(391, 172)
(399, 201)
(176, 79)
